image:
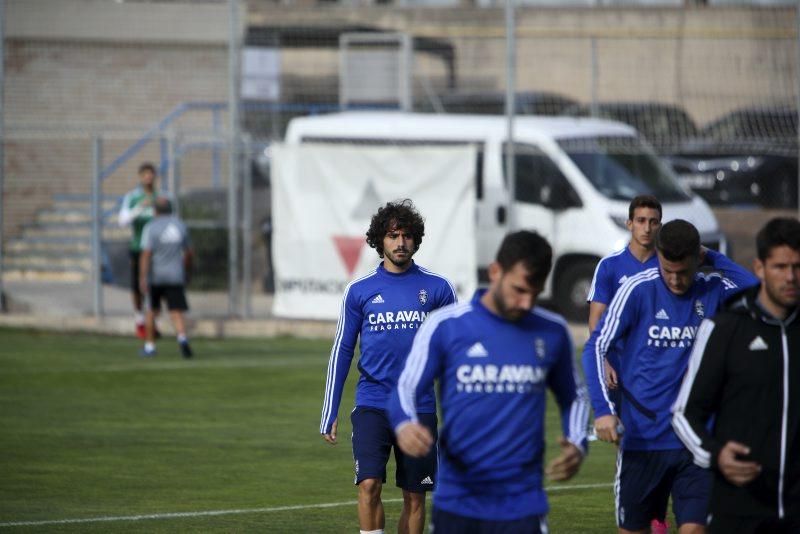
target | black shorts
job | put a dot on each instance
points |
(448, 523)
(135, 255)
(373, 440)
(174, 295)
(645, 481)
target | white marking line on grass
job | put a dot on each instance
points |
(181, 515)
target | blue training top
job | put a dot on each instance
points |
(385, 310)
(492, 376)
(611, 272)
(656, 330)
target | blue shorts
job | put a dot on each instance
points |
(447, 523)
(645, 481)
(373, 440)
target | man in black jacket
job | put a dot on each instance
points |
(745, 373)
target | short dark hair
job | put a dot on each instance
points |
(163, 206)
(644, 201)
(147, 166)
(777, 232)
(529, 248)
(400, 214)
(678, 240)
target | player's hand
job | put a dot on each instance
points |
(611, 375)
(737, 472)
(414, 439)
(566, 465)
(331, 436)
(606, 428)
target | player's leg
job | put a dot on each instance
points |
(641, 488)
(177, 305)
(137, 299)
(691, 492)
(152, 304)
(372, 444)
(416, 477)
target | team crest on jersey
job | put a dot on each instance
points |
(540, 348)
(700, 309)
(422, 296)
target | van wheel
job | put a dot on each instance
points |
(572, 288)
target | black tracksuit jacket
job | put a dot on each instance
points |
(745, 373)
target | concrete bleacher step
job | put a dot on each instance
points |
(48, 274)
(57, 245)
(49, 244)
(55, 259)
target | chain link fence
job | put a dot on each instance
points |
(152, 81)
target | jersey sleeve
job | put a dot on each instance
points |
(736, 278)
(601, 289)
(422, 366)
(570, 393)
(448, 295)
(187, 240)
(700, 393)
(344, 344)
(613, 326)
(126, 214)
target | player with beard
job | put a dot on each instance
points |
(744, 373)
(384, 309)
(495, 357)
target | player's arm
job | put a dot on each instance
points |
(613, 326)
(570, 394)
(599, 295)
(126, 215)
(741, 277)
(344, 345)
(699, 399)
(422, 366)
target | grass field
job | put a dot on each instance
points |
(227, 442)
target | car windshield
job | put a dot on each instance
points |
(622, 167)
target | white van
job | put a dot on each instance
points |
(574, 180)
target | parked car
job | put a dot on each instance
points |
(494, 103)
(664, 126)
(748, 156)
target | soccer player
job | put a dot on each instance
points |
(644, 221)
(165, 264)
(745, 373)
(384, 309)
(494, 357)
(655, 316)
(136, 211)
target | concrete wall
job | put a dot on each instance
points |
(77, 67)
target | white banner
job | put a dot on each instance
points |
(323, 197)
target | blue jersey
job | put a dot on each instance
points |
(385, 310)
(492, 378)
(611, 272)
(656, 330)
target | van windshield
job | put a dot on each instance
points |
(622, 167)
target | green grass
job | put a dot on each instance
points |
(88, 429)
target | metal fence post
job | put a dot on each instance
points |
(2, 145)
(233, 157)
(97, 214)
(247, 229)
(511, 66)
(797, 97)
